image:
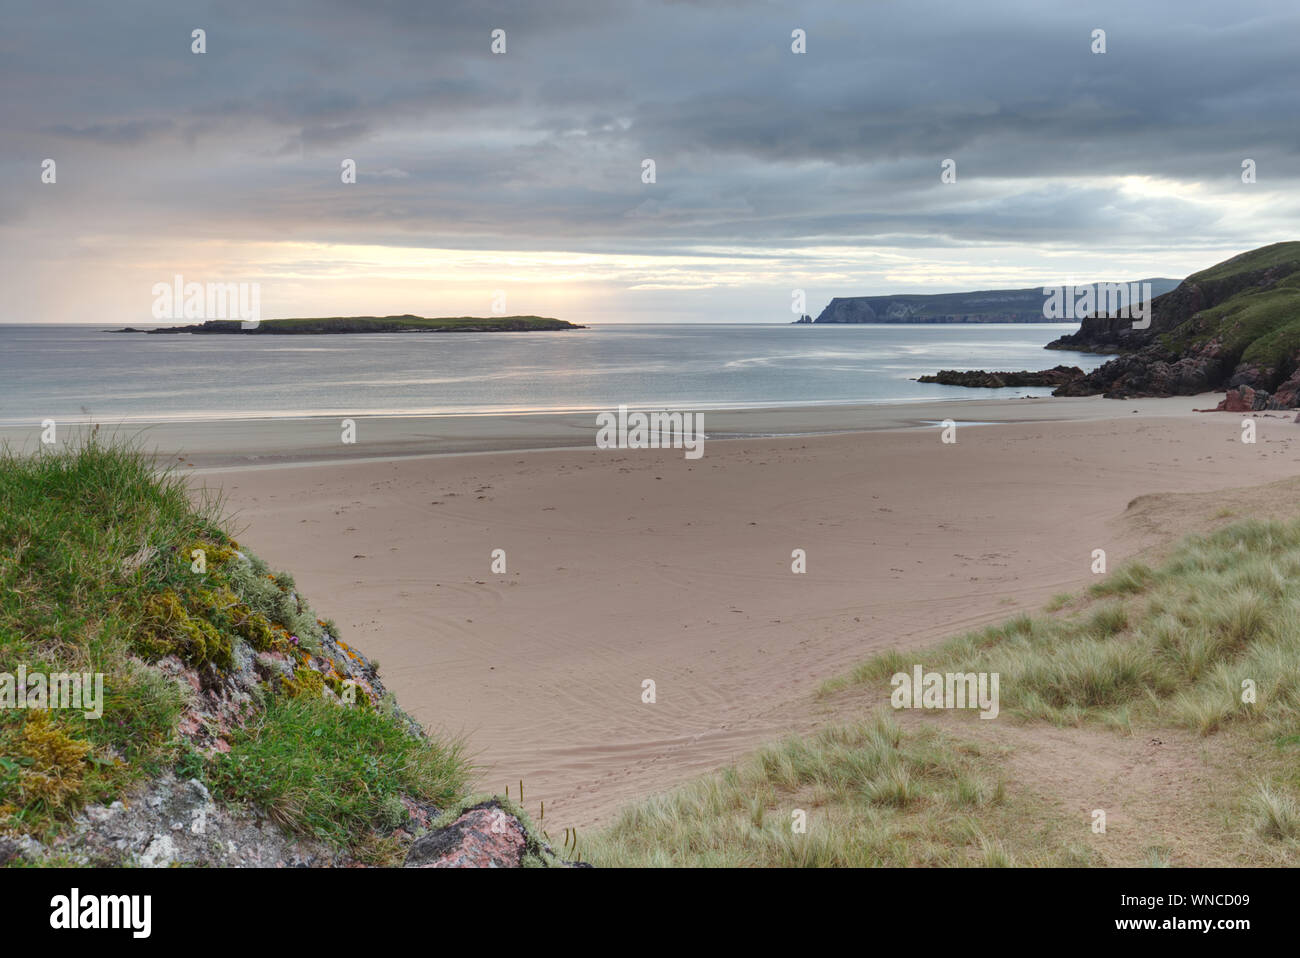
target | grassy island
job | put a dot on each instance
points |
(373, 324)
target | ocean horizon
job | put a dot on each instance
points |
(79, 373)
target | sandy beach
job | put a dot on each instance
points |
(650, 439)
(627, 565)
(278, 441)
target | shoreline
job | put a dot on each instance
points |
(220, 443)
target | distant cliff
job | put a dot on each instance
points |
(981, 306)
(1234, 326)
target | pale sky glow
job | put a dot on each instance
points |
(522, 172)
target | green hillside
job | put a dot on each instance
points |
(214, 668)
(1233, 325)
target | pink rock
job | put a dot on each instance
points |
(485, 836)
(1241, 399)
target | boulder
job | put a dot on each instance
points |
(487, 834)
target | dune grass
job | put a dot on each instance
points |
(96, 577)
(870, 793)
(1208, 641)
(1185, 644)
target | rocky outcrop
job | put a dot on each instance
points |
(491, 833)
(1113, 334)
(1247, 399)
(1243, 399)
(170, 822)
(1155, 371)
(220, 699)
(481, 837)
(1234, 325)
(1055, 376)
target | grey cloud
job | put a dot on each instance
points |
(125, 133)
(755, 145)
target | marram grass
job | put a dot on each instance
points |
(1185, 645)
(1209, 642)
(870, 794)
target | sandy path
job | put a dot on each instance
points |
(628, 565)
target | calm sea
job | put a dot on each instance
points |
(77, 372)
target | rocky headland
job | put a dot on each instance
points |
(1234, 326)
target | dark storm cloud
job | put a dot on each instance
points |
(542, 147)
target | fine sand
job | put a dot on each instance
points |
(627, 565)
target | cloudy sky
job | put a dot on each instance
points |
(522, 171)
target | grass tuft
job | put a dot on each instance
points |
(98, 575)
